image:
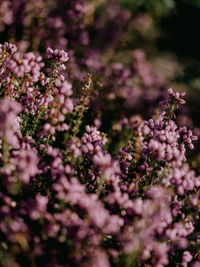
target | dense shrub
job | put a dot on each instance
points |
(94, 169)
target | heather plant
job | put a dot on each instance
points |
(95, 168)
(66, 198)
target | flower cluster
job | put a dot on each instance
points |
(66, 198)
(88, 177)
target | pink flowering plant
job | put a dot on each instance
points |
(95, 169)
(65, 199)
